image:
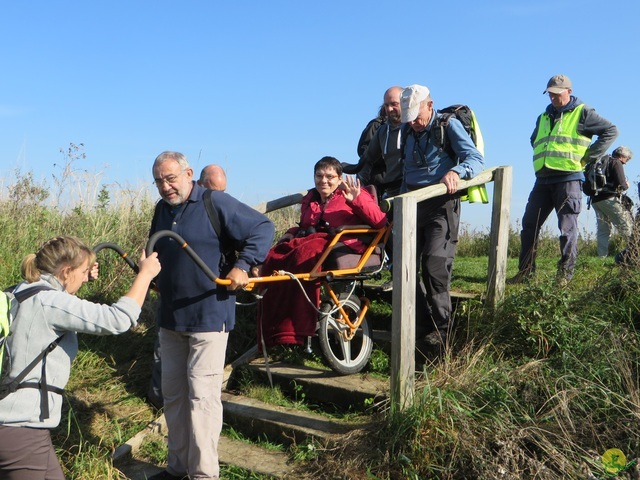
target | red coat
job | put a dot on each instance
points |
(364, 210)
(284, 314)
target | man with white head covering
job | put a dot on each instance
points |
(429, 162)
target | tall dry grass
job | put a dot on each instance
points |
(538, 389)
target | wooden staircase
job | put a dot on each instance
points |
(257, 420)
(281, 425)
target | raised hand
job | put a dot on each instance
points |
(350, 187)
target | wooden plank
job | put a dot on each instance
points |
(279, 203)
(440, 189)
(255, 459)
(231, 452)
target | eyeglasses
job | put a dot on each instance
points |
(170, 180)
(319, 177)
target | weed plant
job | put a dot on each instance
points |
(540, 388)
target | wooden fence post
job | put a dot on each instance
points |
(499, 239)
(403, 324)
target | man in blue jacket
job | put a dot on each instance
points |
(561, 142)
(427, 163)
(196, 315)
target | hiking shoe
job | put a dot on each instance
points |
(562, 280)
(435, 339)
(518, 278)
(164, 475)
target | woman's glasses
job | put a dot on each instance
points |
(329, 177)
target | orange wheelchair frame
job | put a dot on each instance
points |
(343, 331)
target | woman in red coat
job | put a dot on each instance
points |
(284, 314)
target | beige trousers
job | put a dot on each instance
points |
(192, 373)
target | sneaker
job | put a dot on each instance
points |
(435, 339)
(387, 286)
(164, 475)
(518, 278)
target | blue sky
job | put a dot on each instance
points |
(266, 88)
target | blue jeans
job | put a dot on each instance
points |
(566, 199)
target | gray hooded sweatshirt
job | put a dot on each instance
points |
(40, 320)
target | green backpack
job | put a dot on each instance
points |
(438, 136)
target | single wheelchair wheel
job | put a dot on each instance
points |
(344, 356)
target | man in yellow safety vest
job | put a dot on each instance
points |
(562, 145)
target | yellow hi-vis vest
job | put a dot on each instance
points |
(560, 148)
(477, 193)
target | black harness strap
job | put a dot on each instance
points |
(17, 383)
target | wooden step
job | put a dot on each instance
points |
(250, 457)
(357, 392)
(244, 455)
(284, 425)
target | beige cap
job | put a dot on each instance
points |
(410, 101)
(557, 84)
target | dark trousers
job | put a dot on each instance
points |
(437, 240)
(566, 199)
(28, 454)
(154, 394)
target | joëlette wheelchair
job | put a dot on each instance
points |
(343, 331)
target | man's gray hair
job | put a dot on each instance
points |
(428, 99)
(622, 152)
(168, 155)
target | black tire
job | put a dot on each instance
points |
(344, 356)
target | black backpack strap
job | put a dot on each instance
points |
(22, 295)
(439, 133)
(227, 245)
(213, 214)
(17, 383)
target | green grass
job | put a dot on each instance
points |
(539, 388)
